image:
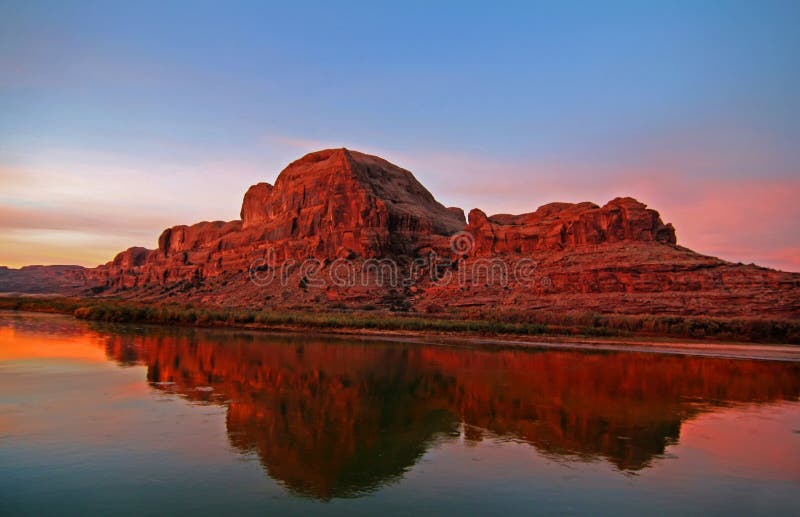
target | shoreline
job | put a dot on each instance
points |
(638, 344)
(721, 349)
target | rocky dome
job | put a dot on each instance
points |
(338, 203)
(328, 204)
(355, 202)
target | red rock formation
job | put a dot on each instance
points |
(338, 203)
(342, 199)
(556, 226)
(333, 203)
(255, 206)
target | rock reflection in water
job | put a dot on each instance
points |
(336, 418)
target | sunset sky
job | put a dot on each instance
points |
(118, 119)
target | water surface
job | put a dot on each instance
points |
(97, 419)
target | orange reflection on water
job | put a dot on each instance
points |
(20, 343)
(331, 417)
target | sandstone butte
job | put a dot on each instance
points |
(340, 205)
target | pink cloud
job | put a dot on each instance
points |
(745, 220)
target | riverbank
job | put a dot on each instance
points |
(486, 323)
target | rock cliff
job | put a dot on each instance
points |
(328, 204)
(346, 228)
(557, 226)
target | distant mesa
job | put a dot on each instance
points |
(343, 204)
(44, 280)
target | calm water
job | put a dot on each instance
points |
(98, 419)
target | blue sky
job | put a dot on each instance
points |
(121, 118)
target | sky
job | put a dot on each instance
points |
(119, 119)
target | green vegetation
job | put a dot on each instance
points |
(119, 312)
(696, 327)
(478, 321)
(50, 304)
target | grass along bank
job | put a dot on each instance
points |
(484, 321)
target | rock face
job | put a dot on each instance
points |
(255, 206)
(341, 205)
(557, 226)
(341, 202)
(328, 204)
(43, 279)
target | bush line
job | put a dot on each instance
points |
(480, 321)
